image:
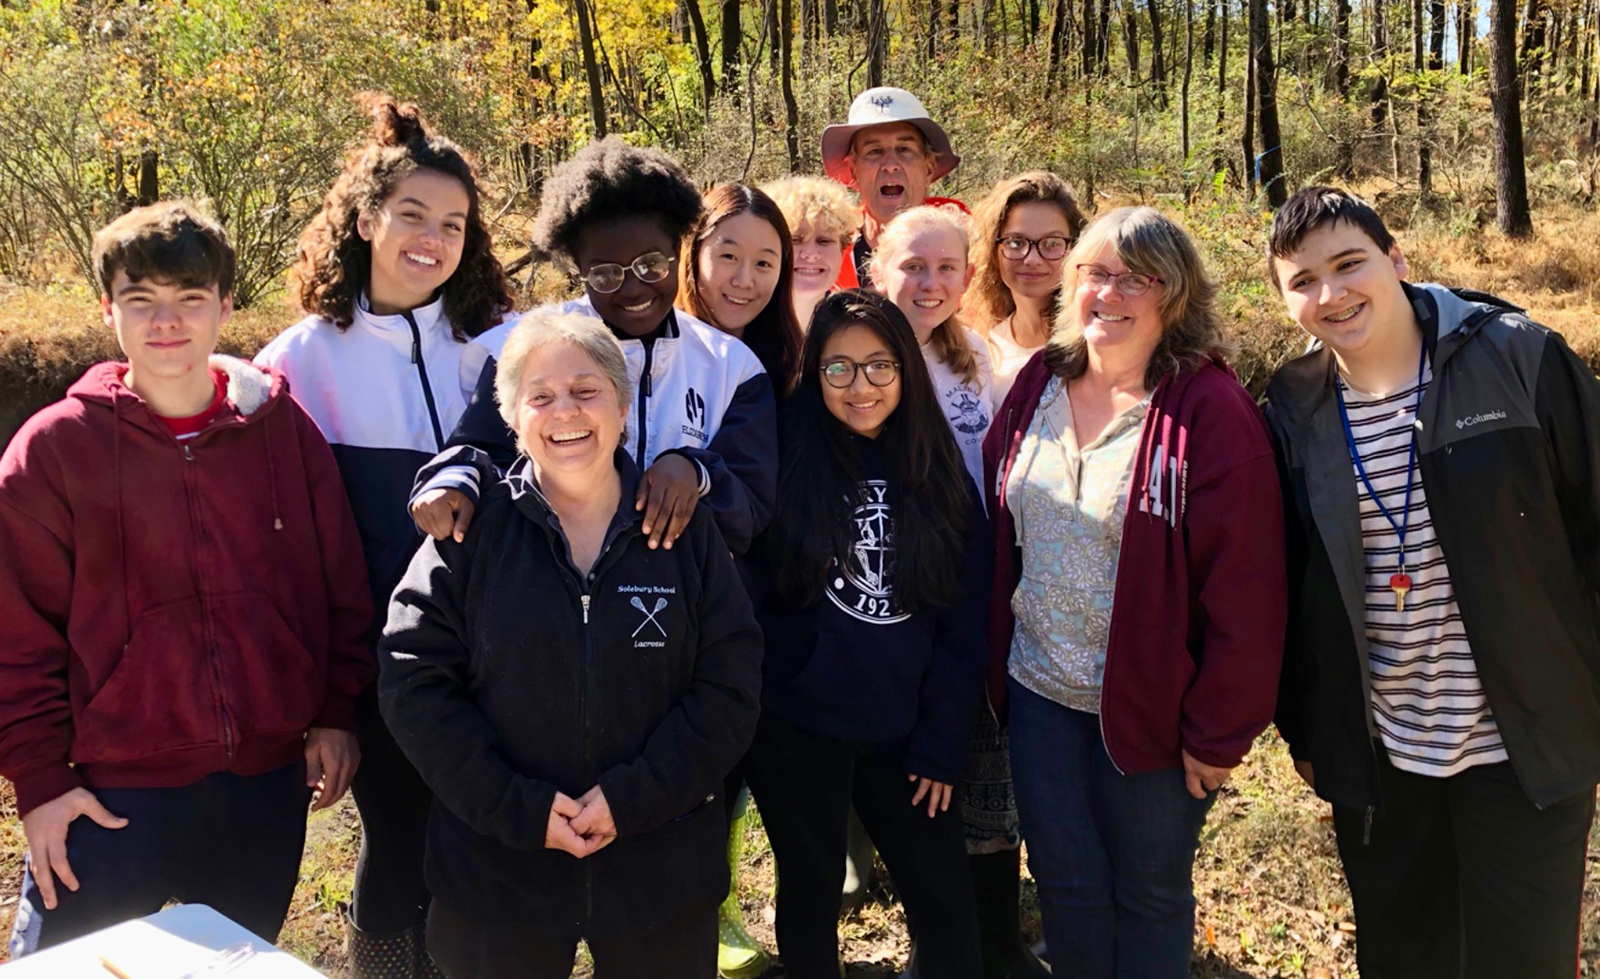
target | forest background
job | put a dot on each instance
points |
(1474, 125)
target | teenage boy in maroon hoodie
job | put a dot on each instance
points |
(182, 597)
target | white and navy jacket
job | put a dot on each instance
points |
(696, 391)
(386, 393)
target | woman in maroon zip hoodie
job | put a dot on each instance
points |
(1137, 619)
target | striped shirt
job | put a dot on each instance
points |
(1427, 700)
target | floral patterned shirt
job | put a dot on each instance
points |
(1068, 502)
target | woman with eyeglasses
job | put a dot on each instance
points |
(875, 570)
(1020, 234)
(1137, 619)
(737, 273)
(704, 413)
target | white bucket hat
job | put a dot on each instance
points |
(877, 106)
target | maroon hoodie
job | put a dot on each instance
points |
(1200, 603)
(173, 609)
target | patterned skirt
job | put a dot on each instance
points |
(988, 805)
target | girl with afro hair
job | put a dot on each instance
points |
(703, 427)
(397, 274)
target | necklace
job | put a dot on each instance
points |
(1399, 582)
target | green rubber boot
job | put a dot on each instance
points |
(739, 956)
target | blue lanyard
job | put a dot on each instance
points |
(1404, 523)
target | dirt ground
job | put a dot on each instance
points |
(1272, 901)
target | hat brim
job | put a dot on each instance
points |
(836, 147)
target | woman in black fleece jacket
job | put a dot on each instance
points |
(573, 697)
(876, 567)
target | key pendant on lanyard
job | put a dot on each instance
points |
(1399, 582)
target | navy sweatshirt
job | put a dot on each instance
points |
(854, 665)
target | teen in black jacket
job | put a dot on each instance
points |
(547, 666)
(876, 568)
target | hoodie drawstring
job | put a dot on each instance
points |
(272, 472)
(122, 537)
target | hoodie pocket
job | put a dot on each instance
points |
(158, 697)
(273, 684)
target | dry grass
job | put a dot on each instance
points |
(1272, 900)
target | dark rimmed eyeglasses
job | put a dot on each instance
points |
(1128, 283)
(1016, 247)
(606, 277)
(842, 373)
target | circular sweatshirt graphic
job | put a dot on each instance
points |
(862, 584)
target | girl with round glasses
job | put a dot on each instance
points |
(737, 272)
(397, 275)
(875, 547)
(1021, 234)
(1137, 620)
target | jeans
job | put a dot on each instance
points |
(1112, 854)
(229, 841)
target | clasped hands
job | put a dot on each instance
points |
(580, 826)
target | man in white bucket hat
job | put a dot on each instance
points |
(889, 151)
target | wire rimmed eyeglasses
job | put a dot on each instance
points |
(1128, 283)
(607, 277)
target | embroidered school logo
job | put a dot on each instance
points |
(862, 584)
(695, 407)
(649, 601)
(969, 417)
(1472, 420)
(650, 613)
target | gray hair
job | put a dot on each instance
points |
(539, 329)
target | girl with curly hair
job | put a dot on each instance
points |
(703, 424)
(1021, 233)
(737, 273)
(396, 274)
(823, 218)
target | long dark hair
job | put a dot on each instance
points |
(820, 467)
(774, 335)
(334, 262)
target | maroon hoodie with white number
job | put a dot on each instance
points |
(1200, 602)
(172, 609)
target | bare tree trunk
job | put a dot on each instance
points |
(830, 16)
(1188, 75)
(1380, 56)
(1339, 52)
(1424, 150)
(1158, 67)
(1532, 45)
(1130, 39)
(791, 111)
(1466, 34)
(732, 39)
(591, 69)
(1090, 45)
(1103, 41)
(1219, 163)
(702, 45)
(1208, 42)
(877, 43)
(1249, 98)
(1510, 173)
(1272, 175)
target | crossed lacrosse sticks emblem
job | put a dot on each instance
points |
(649, 614)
